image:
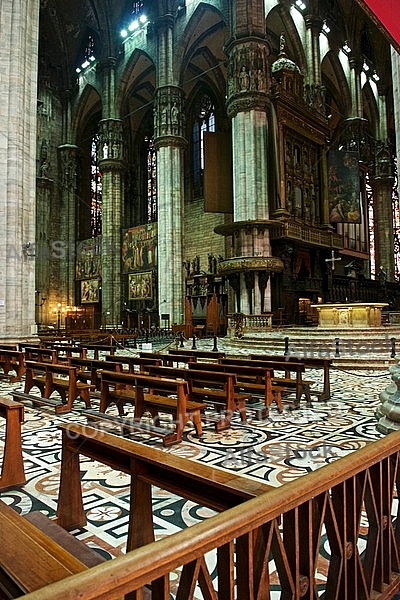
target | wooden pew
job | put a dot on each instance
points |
(214, 387)
(97, 348)
(65, 351)
(298, 384)
(308, 361)
(13, 360)
(131, 362)
(88, 369)
(256, 381)
(30, 558)
(201, 483)
(38, 354)
(168, 360)
(51, 378)
(206, 354)
(12, 471)
(154, 395)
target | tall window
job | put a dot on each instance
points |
(396, 225)
(151, 180)
(95, 188)
(204, 121)
(137, 7)
(371, 225)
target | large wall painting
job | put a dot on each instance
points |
(139, 248)
(88, 259)
(344, 187)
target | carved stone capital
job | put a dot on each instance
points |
(169, 114)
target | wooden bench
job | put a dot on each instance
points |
(35, 552)
(51, 378)
(65, 351)
(12, 471)
(88, 369)
(213, 387)
(131, 362)
(203, 354)
(12, 360)
(153, 395)
(168, 360)
(97, 348)
(214, 488)
(308, 361)
(38, 354)
(256, 381)
(297, 384)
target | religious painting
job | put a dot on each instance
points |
(344, 187)
(88, 258)
(139, 248)
(141, 286)
(90, 291)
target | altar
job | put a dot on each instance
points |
(350, 315)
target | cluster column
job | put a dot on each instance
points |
(112, 167)
(170, 144)
(19, 34)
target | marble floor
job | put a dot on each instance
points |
(276, 450)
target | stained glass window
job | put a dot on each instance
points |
(396, 225)
(204, 121)
(151, 180)
(95, 188)
(371, 227)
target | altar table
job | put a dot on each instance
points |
(350, 315)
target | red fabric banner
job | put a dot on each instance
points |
(386, 14)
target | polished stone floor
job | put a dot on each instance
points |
(276, 450)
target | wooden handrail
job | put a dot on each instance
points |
(332, 497)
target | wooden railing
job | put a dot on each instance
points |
(339, 518)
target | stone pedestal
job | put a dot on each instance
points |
(388, 413)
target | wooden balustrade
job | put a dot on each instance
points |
(349, 502)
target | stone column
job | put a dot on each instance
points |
(112, 167)
(64, 256)
(382, 183)
(43, 248)
(170, 144)
(19, 27)
(248, 105)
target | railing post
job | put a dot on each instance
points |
(181, 335)
(194, 343)
(393, 344)
(286, 346)
(337, 347)
(215, 349)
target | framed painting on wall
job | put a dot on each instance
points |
(141, 286)
(89, 291)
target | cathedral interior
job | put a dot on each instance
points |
(198, 160)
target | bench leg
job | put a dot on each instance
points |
(12, 472)
(70, 512)
(195, 417)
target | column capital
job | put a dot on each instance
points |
(111, 151)
(248, 80)
(169, 116)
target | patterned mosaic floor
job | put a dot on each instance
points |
(276, 450)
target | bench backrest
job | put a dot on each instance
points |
(198, 353)
(198, 378)
(253, 373)
(288, 366)
(308, 361)
(133, 361)
(140, 381)
(40, 354)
